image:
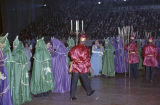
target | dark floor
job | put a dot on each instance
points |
(109, 91)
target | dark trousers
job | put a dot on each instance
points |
(85, 80)
(150, 72)
(133, 71)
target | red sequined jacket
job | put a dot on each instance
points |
(80, 59)
(150, 53)
(132, 53)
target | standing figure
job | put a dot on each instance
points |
(150, 53)
(120, 57)
(132, 58)
(108, 60)
(42, 77)
(50, 49)
(115, 46)
(21, 88)
(80, 67)
(101, 55)
(95, 58)
(71, 44)
(60, 67)
(5, 95)
(9, 60)
(28, 53)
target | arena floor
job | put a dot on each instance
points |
(109, 91)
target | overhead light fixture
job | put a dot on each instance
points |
(99, 2)
(45, 5)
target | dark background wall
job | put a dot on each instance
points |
(1, 26)
(16, 14)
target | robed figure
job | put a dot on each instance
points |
(9, 60)
(60, 67)
(5, 95)
(115, 46)
(42, 78)
(96, 58)
(119, 55)
(71, 44)
(28, 53)
(21, 88)
(108, 60)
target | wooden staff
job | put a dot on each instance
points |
(130, 31)
(125, 57)
(127, 35)
(124, 34)
(119, 30)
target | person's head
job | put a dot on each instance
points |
(26, 45)
(150, 39)
(49, 45)
(83, 39)
(97, 42)
(132, 37)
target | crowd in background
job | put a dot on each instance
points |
(96, 25)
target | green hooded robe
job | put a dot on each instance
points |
(108, 60)
(42, 77)
(21, 89)
(71, 44)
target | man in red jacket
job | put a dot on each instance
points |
(80, 67)
(132, 58)
(150, 53)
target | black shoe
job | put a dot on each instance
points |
(39, 95)
(148, 82)
(46, 94)
(91, 92)
(73, 98)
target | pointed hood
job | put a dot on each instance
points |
(41, 44)
(20, 47)
(6, 48)
(16, 42)
(41, 53)
(71, 43)
(59, 46)
(106, 41)
(3, 39)
(108, 45)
